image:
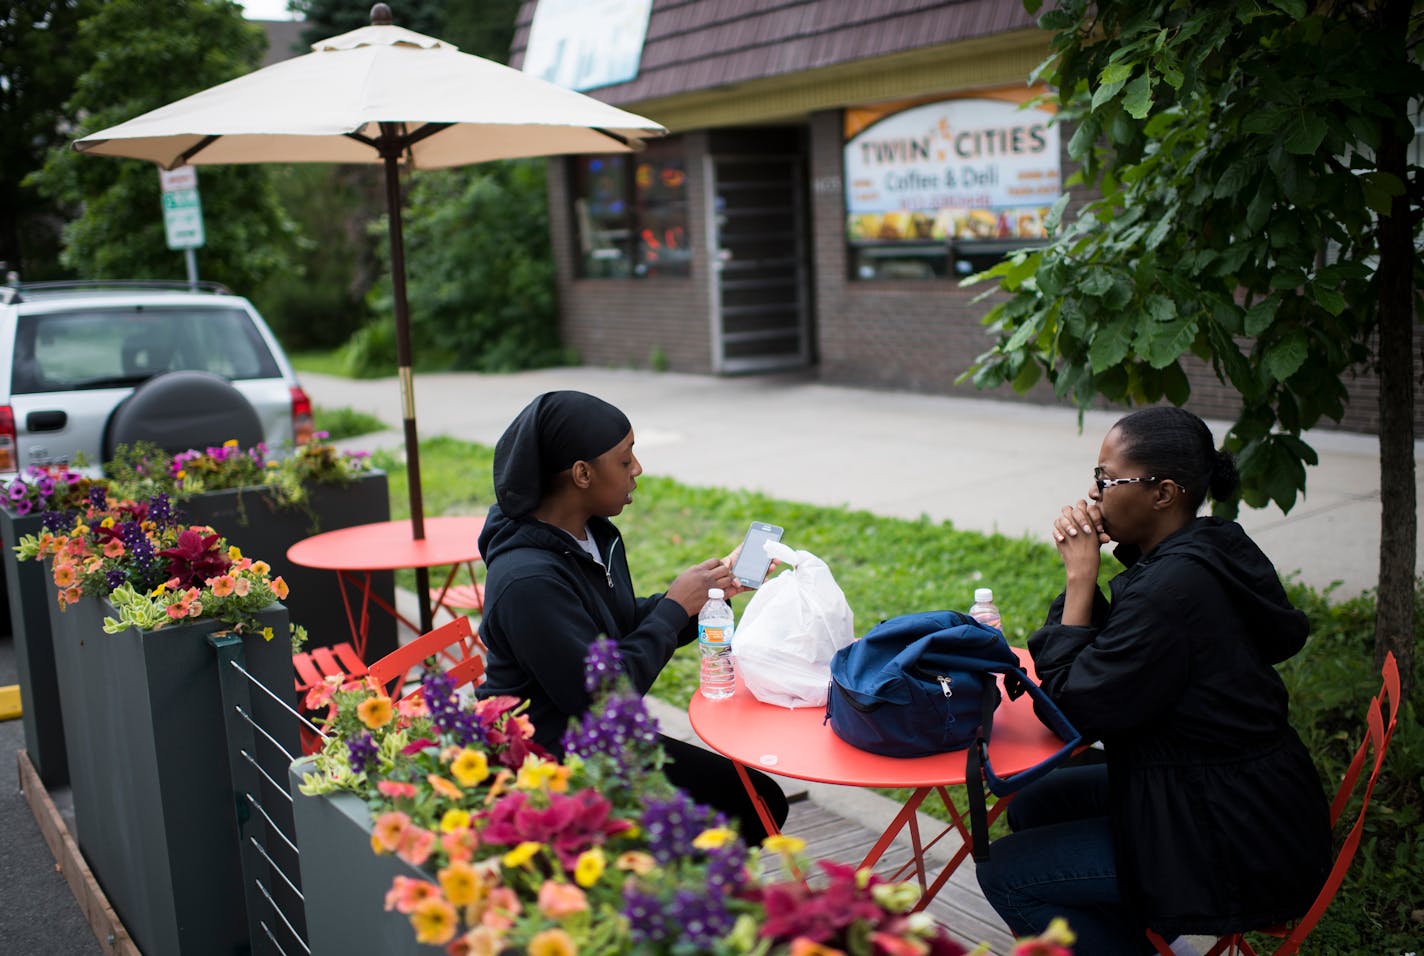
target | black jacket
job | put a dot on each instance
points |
(1219, 819)
(546, 601)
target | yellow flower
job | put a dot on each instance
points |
(434, 922)
(234, 552)
(375, 712)
(589, 867)
(713, 838)
(266, 633)
(470, 767)
(1059, 932)
(455, 819)
(552, 942)
(230, 443)
(537, 774)
(522, 854)
(261, 568)
(107, 522)
(462, 885)
(163, 586)
(781, 843)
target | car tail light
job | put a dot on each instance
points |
(9, 453)
(301, 417)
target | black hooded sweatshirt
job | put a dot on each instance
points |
(546, 601)
(1219, 819)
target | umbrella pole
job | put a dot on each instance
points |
(407, 385)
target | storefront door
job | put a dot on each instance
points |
(761, 279)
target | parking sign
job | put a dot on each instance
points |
(182, 211)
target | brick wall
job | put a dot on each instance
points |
(623, 322)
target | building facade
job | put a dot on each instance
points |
(833, 170)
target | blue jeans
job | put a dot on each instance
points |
(1059, 862)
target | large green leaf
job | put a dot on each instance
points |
(1260, 315)
(1110, 344)
(1285, 357)
(1137, 96)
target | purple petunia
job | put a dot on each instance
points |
(362, 751)
(603, 666)
(620, 728)
(18, 490)
(672, 824)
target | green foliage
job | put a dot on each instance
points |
(345, 422)
(1330, 684)
(142, 54)
(1234, 148)
(40, 62)
(319, 300)
(478, 238)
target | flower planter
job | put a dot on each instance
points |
(149, 776)
(34, 652)
(247, 519)
(345, 883)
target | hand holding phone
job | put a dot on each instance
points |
(752, 559)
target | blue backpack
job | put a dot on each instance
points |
(925, 683)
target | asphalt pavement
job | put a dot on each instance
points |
(982, 464)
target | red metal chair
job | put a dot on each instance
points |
(455, 644)
(456, 598)
(1382, 717)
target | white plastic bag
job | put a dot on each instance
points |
(791, 629)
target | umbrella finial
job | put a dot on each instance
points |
(381, 15)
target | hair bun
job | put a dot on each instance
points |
(1225, 480)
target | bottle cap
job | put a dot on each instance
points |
(715, 593)
(983, 595)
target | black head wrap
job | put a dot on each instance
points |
(548, 436)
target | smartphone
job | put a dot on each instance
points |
(753, 560)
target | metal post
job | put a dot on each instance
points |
(190, 258)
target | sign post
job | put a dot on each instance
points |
(183, 215)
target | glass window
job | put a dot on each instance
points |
(630, 214)
(105, 348)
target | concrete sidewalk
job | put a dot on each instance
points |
(982, 464)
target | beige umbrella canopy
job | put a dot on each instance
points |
(380, 94)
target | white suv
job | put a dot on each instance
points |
(85, 366)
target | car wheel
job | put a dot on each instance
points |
(181, 410)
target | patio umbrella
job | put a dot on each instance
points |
(379, 94)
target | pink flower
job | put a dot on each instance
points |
(395, 789)
(502, 910)
(388, 831)
(415, 846)
(570, 824)
(241, 586)
(557, 900)
(406, 894)
(222, 586)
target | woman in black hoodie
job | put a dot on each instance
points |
(558, 579)
(1208, 816)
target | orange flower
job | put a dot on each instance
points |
(375, 712)
(503, 908)
(480, 941)
(406, 894)
(279, 587)
(461, 883)
(64, 575)
(114, 548)
(434, 922)
(801, 946)
(460, 845)
(552, 942)
(443, 787)
(222, 586)
(387, 831)
(557, 900)
(72, 595)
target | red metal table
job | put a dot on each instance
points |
(796, 743)
(355, 553)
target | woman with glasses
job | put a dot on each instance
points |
(1207, 815)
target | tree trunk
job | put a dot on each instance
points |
(1394, 614)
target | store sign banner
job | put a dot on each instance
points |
(958, 168)
(584, 44)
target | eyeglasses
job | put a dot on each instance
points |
(1105, 483)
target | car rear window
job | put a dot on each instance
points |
(106, 348)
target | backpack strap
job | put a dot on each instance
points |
(978, 770)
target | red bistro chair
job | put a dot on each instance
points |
(1381, 719)
(455, 645)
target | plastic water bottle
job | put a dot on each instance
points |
(714, 637)
(984, 610)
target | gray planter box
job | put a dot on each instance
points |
(247, 519)
(34, 651)
(345, 883)
(149, 776)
